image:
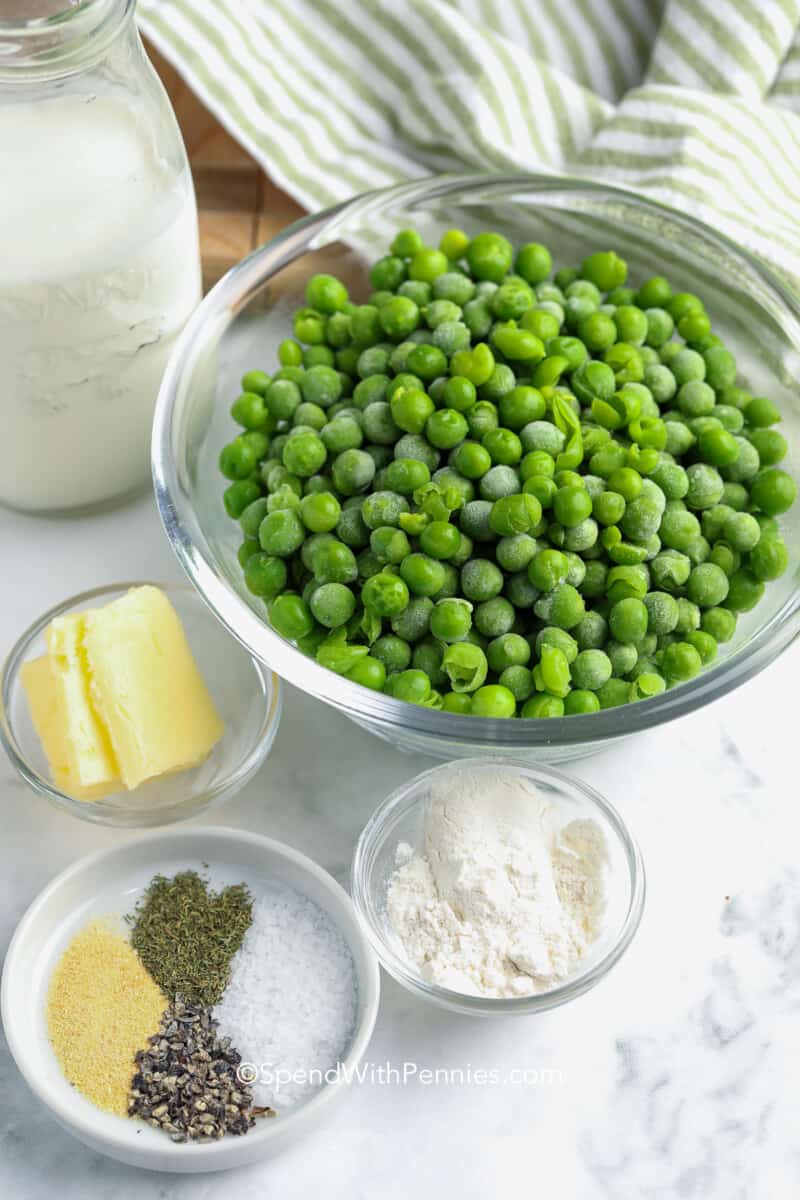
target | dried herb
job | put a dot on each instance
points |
(186, 1082)
(186, 934)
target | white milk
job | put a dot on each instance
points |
(99, 270)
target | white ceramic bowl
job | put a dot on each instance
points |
(109, 882)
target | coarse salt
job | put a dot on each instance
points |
(290, 1005)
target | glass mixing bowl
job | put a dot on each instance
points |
(248, 699)
(241, 322)
(401, 819)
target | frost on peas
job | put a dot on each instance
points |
(494, 617)
(518, 680)
(481, 580)
(705, 486)
(475, 519)
(591, 632)
(746, 466)
(333, 562)
(427, 656)
(451, 336)
(590, 669)
(515, 551)
(414, 446)
(492, 491)
(499, 481)
(542, 435)
(383, 508)
(477, 317)
(521, 592)
(642, 518)
(454, 286)
(414, 621)
(624, 657)
(576, 572)
(579, 539)
(563, 606)
(662, 612)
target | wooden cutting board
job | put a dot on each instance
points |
(239, 208)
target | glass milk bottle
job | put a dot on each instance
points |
(99, 259)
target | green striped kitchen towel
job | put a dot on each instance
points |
(695, 102)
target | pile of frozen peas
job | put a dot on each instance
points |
(500, 494)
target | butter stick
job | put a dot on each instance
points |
(91, 760)
(146, 688)
(49, 720)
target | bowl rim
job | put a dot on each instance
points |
(212, 1155)
(269, 684)
(405, 798)
(231, 294)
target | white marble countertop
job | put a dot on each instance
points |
(674, 1078)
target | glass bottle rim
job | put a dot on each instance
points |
(62, 42)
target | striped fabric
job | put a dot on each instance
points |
(695, 102)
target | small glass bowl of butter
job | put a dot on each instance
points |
(131, 705)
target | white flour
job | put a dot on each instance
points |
(500, 901)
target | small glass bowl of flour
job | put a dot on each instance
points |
(491, 887)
